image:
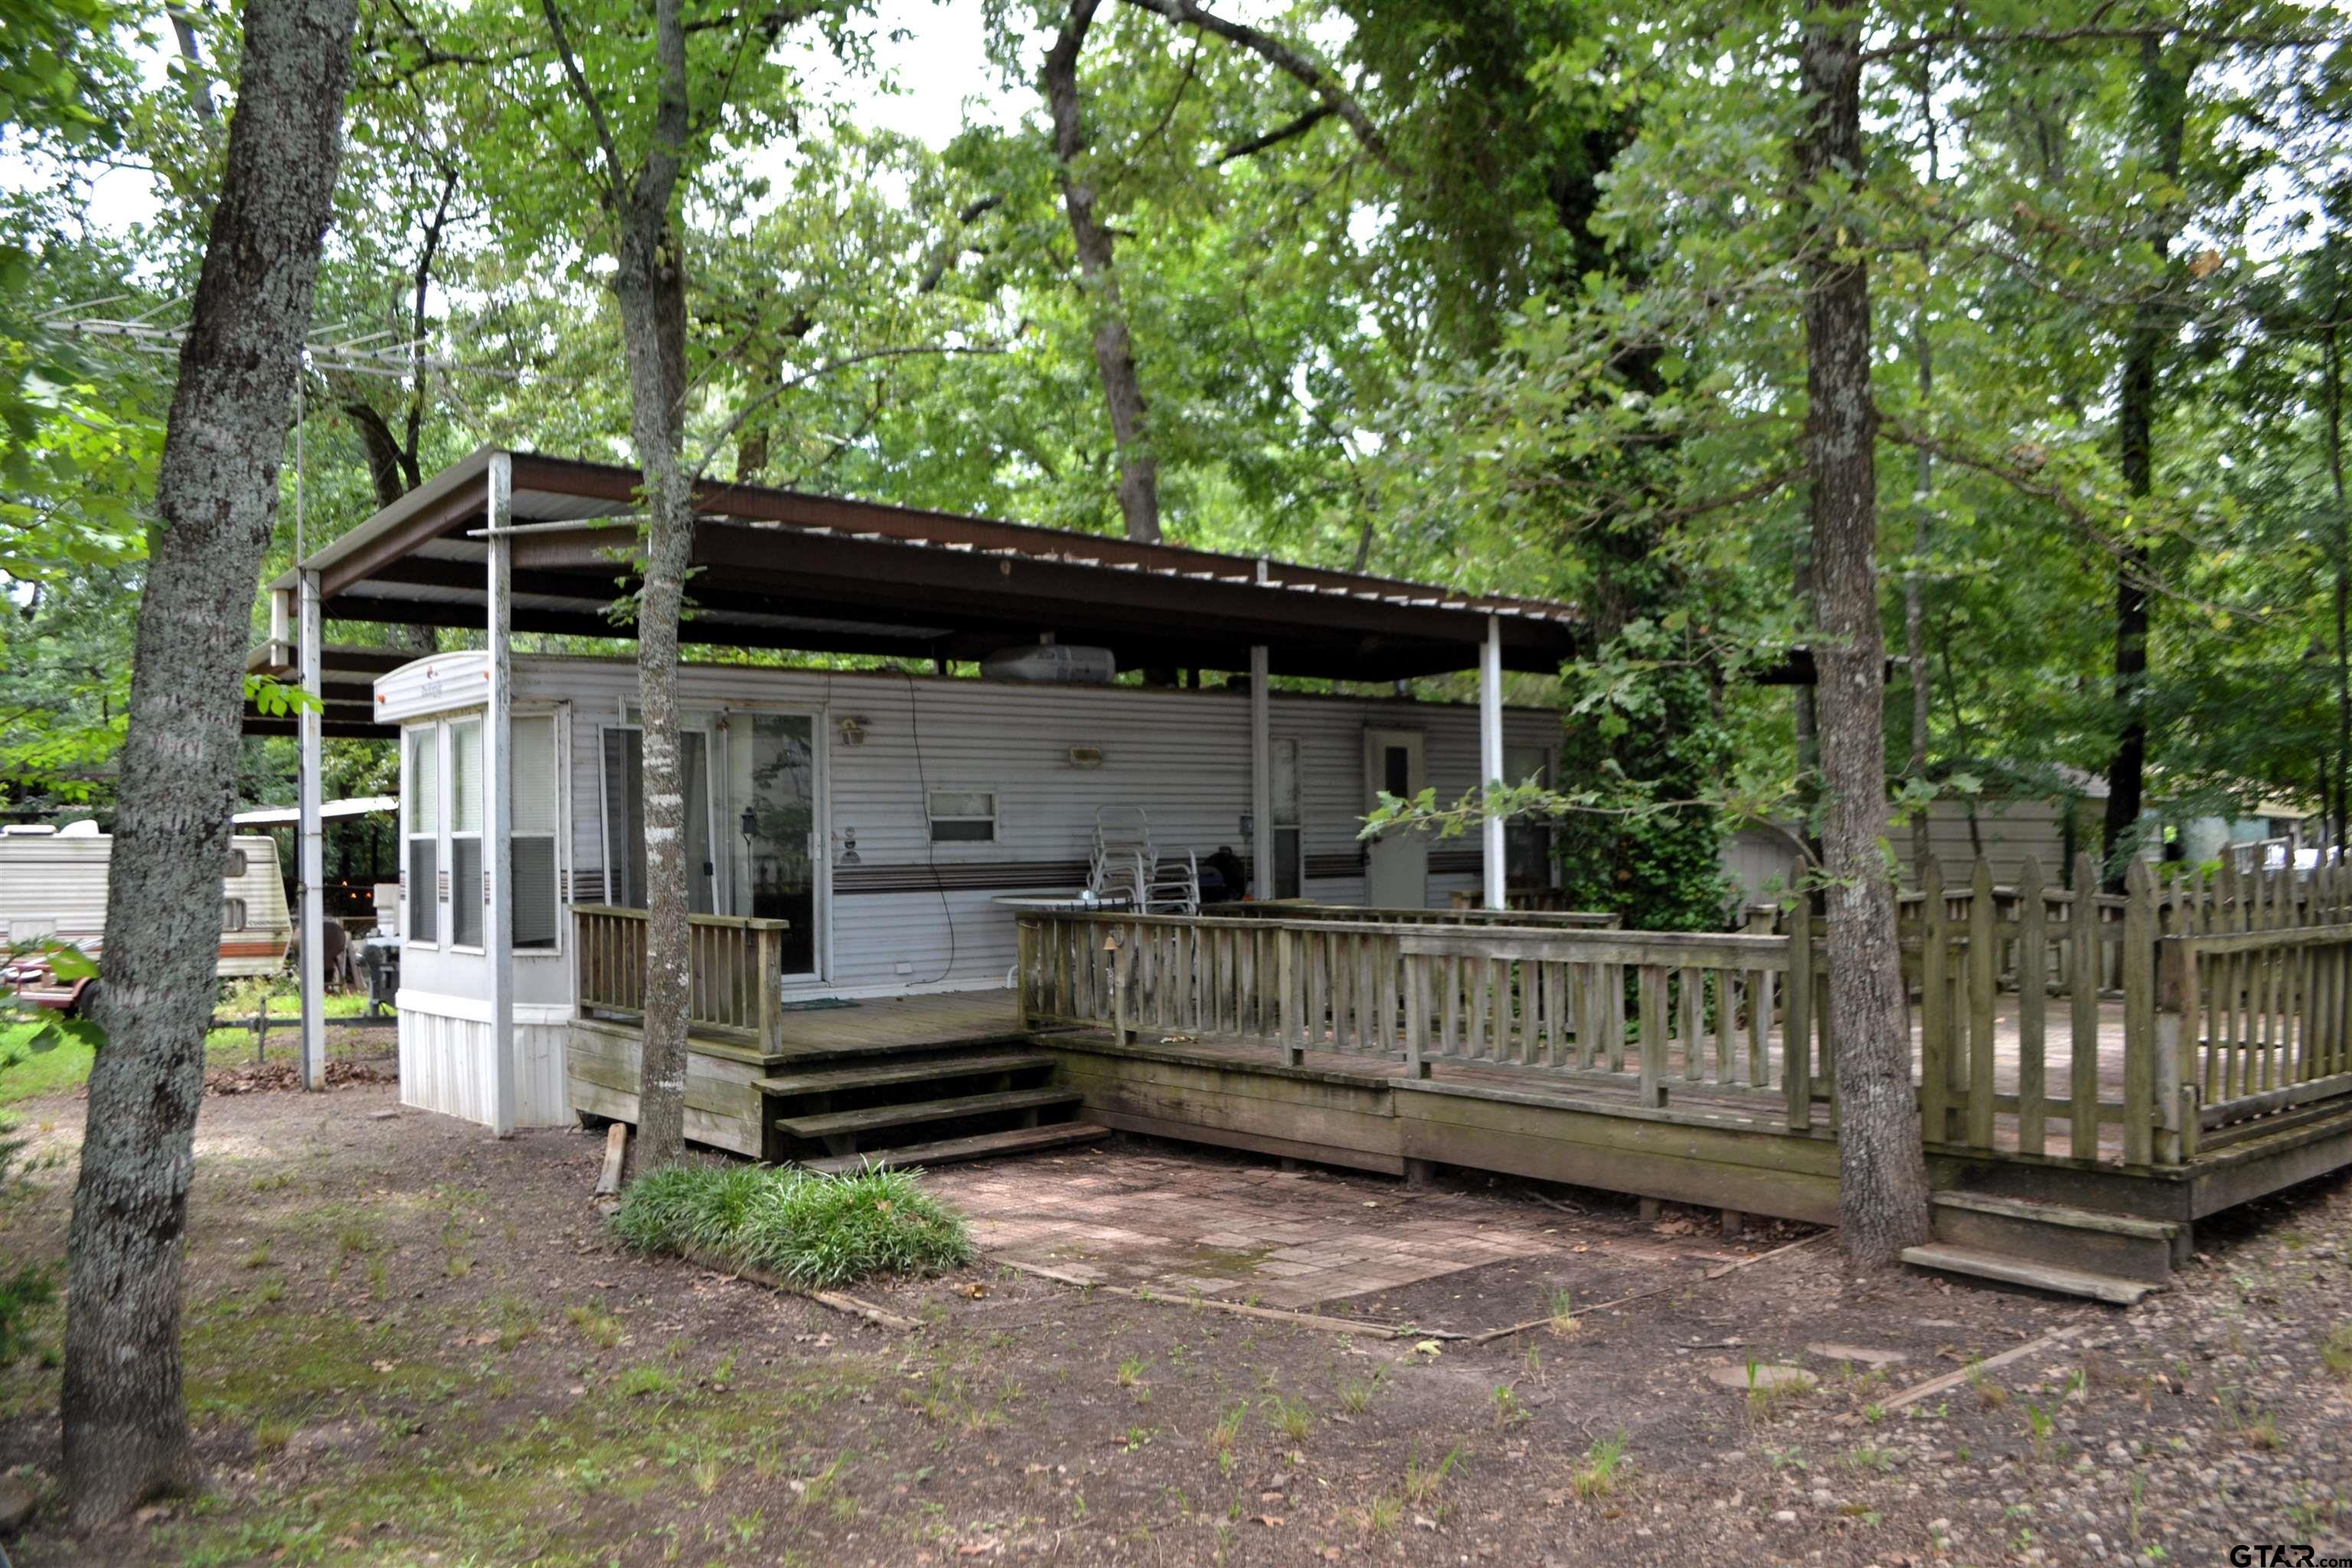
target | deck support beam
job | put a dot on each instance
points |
(309, 869)
(497, 745)
(1260, 716)
(1490, 753)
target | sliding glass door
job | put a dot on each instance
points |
(771, 818)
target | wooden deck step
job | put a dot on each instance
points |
(985, 1145)
(824, 1081)
(2060, 1235)
(2013, 1270)
(837, 1123)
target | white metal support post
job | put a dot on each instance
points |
(1490, 749)
(309, 869)
(498, 739)
(1261, 777)
(1260, 716)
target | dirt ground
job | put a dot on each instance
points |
(409, 1343)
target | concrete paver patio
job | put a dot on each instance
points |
(1208, 1225)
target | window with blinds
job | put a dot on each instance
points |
(538, 814)
(446, 833)
(468, 892)
(420, 797)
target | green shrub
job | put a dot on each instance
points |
(813, 1231)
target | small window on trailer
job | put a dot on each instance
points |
(960, 815)
(1526, 840)
(233, 915)
(537, 902)
(468, 885)
(420, 801)
(1289, 859)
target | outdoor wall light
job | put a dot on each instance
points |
(853, 729)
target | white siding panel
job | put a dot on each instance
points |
(541, 1097)
(1182, 756)
(445, 1064)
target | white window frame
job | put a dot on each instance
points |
(995, 818)
(433, 730)
(450, 834)
(560, 713)
(441, 729)
(1298, 824)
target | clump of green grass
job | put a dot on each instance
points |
(1596, 1478)
(813, 1231)
(1294, 1418)
(2338, 1352)
(638, 1381)
(1420, 1486)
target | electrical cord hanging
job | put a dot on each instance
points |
(931, 845)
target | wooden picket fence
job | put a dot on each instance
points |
(2255, 984)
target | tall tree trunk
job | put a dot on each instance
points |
(126, 1431)
(650, 281)
(2333, 366)
(649, 284)
(1138, 470)
(1881, 1172)
(1914, 607)
(2163, 102)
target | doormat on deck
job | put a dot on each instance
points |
(819, 1004)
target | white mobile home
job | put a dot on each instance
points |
(882, 816)
(852, 833)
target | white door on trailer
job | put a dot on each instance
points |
(1396, 865)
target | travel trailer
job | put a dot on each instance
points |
(53, 885)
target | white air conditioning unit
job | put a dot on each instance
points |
(1061, 663)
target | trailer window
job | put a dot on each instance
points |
(1289, 862)
(420, 798)
(1526, 841)
(237, 864)
(538, 910)
(232, 914)
(469, 889)
(962, 816)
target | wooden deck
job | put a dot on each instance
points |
(891, 1024)
(1707, 1145)
(1688, 1066)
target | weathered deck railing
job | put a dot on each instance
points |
(2231, 1004)
(1702, 1007)
(1544, 1000)
(1301, 909)
(2254, 989)
(738, 964)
